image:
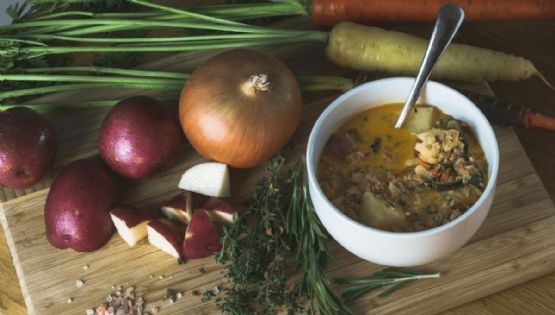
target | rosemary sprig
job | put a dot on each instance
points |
(312, 252)
(393, 279)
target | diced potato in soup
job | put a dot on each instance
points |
(403, 180)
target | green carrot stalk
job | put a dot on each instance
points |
(189, 46)
(256, 10)
(325, 83)
(128, 72)
(80, 86)
(64, 14)
(151, 39)
(149, 24)
(90, 79)
(226, 11)
(168, 100)
(198, 16)
(134, 79)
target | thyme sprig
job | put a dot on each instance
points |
(255, 249)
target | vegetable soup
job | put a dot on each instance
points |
(403, 180)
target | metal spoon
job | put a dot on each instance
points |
(449, 19)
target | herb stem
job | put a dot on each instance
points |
(394, 279)
(418, 277)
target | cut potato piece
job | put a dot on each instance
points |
(209, 179)
(179, 208)
(376, 213)
(202, 238)
(166, 237)
(421, 120)
(219, 211)
(131, 223)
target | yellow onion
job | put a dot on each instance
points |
(240, 107)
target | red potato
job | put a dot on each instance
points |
(140, 137)
(179, 208)
(202, 238)
(219, 211)
(130, 223)
(77, 207)
(27, 147)
(166, 237)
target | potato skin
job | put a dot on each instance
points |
(140, 137)
(77, 207)
(27, 147)
(202, 238)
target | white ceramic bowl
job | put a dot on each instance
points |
(392, 248)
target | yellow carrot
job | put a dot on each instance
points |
(375, 49)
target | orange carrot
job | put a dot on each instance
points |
(538, 121)
(330, 12)
(505, 113)
(445, 175)
(424, 164)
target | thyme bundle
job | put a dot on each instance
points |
(256, 249)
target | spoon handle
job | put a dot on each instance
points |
(449, 19)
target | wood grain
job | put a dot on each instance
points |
(510, 243)
(535, 297)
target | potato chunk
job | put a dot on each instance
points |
(376, 213)
(421, 120)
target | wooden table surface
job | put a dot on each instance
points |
(533, 40)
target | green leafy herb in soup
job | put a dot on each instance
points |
(410, 179)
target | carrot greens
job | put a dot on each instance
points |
(171, 82)
(50, 30)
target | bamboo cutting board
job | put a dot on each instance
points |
(515, 244)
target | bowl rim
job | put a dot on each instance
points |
(310, 164)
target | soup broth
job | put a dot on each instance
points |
(414, 178)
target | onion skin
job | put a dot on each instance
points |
(228, 120)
